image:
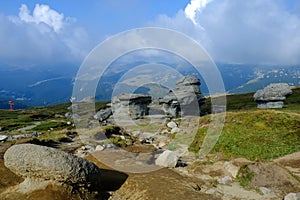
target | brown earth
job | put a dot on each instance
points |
(165, 183)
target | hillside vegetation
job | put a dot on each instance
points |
(248, 132)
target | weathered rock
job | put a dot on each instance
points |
(103, 114)
(225, 180)
(185, 98)
(292, 196)
(272, 96)
(167, 159)
(265, 191)
(3, 138)
(232, 169)
(172, 125)
(175, 130)
(68, 115)
(40, 162)
(134, 106)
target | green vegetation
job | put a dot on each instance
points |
(255, 135)
(245, 177)
(50, 125)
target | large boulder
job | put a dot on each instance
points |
(186, 98)
(272, 96)
(40, 162)
(134, 106)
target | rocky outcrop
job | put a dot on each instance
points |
(45, 163)
(185, 98)
(133, 105)
(103, 114)
(272, 96)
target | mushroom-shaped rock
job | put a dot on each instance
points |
(40, 162)
(272, 96)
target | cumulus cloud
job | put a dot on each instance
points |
(43, 38)
(42, 14)
(265, 32)
(195, 7)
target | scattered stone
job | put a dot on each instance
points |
(3, 138)
(164, 131)
(225, 180)
(34, 134)
(103, 114)
(232, 169)
(272, 96)
(292, 196)
(68, 115)
(172, 125)
(175, 130)
(265, 191)
(40, 162)
(69, 123)
(99, 148)
(122, 137)
(167, 159)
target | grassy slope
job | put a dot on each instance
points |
(254, 133)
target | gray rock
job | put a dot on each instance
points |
(34, 134)
(292, 196)
(167, 159)
(225, 180)
(172, 125)
(175, 130)
(265, 191)
(99, 148)
(40, 162)
(134, 106)
(272, 96)
(103, 114)
(185, 98)
(68, 115)
(3, 138)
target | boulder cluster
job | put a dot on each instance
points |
(185, 99)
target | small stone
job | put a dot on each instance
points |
(225, 180)
(175, 130)
(232, 169)
(292, 196)
(3, 138)
(167, 159)
(34, 134)
(99, 148)
(265, 190)
(69, 123)
(122, 137)
(171, 125)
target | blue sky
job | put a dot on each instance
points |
(233, 31)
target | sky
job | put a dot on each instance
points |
(36, 33)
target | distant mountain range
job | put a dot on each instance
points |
(49, 86)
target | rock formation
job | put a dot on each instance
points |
(45, 163)
(272, 96)
(185, 98)
(133, 105)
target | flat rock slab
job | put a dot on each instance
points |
(34, 161)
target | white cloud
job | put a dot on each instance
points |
(44, 38)
(42, 14)
(194, 7)
(243, 31)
